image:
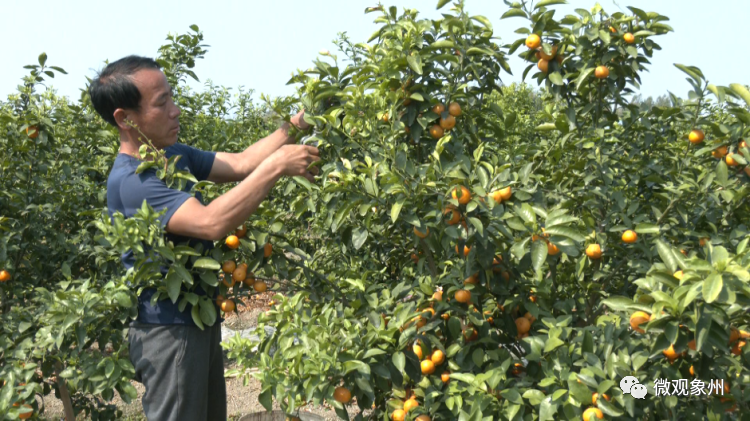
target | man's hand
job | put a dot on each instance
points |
(295, 160)
(298, 120)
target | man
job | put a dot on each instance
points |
(180, 365)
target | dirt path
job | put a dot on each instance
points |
(241, 399)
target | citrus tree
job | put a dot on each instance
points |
(479, 252)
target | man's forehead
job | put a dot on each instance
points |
(150, 82)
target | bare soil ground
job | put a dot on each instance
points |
(241, 399)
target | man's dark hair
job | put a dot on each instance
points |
(113, 87)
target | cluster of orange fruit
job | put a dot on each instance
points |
(238, 273)
(233, 241)
(446, 122)
(534, 42)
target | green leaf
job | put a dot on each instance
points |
(618, 303)
(556, 78)
(266, 399)
(722, 173)
(355, 365)
(196, 314)
(526, 212)
(665, 252)
(644, 228)
(712, 287)
(691, 71)
(359, 236)
(545, 127)
(514, 13)
(564, 231)
(208, 311)
(399, 360)
(545, 3)
(415, 62)
(207, 263)
(552, 344)
(538, 254)
(42, 59)
(173, 285)
(440, 4)
(741, 91)
(396, 209)
(582, 77)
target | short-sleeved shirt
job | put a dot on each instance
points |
(126, 192)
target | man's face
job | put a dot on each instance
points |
(158, 117)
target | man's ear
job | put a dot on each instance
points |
(122, 119)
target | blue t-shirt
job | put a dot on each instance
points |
(126, 192)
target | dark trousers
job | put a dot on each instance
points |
(182, 369)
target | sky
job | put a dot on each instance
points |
(259, 44)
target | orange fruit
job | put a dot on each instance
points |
(612, 29)
(385, 117)
(538, 55)
(465, 195)
(219, 300)
(239, 275)
(407, 101)
(719, 152)
(743, 144)
(747, 171)
(467, 249)
(229, 266)
(26, 415)
(692, 371)
(594, 251)
(730, 160)
(423, 418)
(533, 41)
(428, 367)
(417, 350)
(496, 196)
(696, 136)
(446, 376)
(455, 215)
(543, 65)
(679, 274)
(549, 56)
(523, 325)
(227, 306)
(517, 369)
(260, 286)
(342, 394)
(595, 397)
(638, 318)
(593, 413)
(241, 231)
(737, 348)
(560, 58)
(410, 404)
(601, 72)
(670, 353)
(34, 130)
(4, 276)
(398, 415)
(267, 250)
(552, 249)
(228, 282)
(629, 236)
(438, 108)
(414, 258)
(436, 131)
(629, 38)
(744, 334)
(691, 345)
(734, 335)
(506, 193)
(232, 242)
(454, 109)
(422, 234)
(448, 122)
(528, 316)
(437, 357)
(505, 275)
(463, 296)
(438, 296)
(703, 241)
